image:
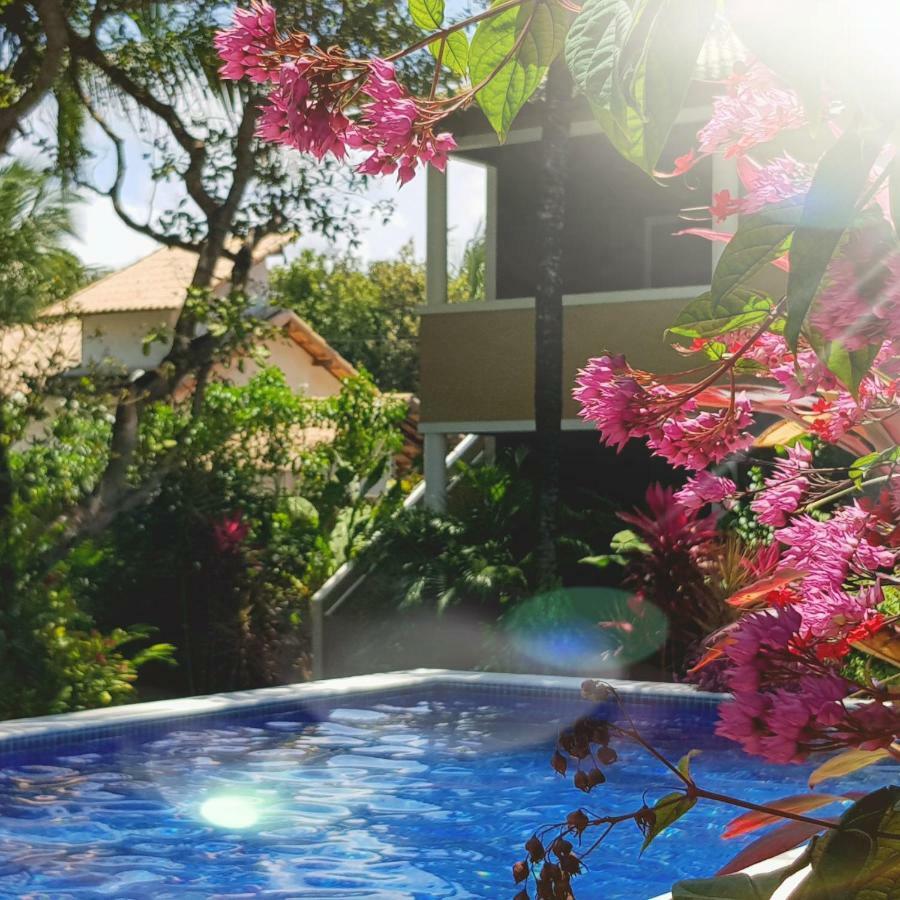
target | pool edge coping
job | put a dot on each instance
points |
(13, 731)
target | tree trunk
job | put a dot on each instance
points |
(548, 318)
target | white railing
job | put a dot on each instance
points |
(347, 578)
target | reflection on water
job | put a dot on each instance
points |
(407, 799)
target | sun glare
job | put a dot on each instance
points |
(230, 811)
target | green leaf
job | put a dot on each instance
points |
(667, 811)
(732, 887)
(627, 541)
(684, 764)
(705, 318)
(427, 14)
(605, 560)
(511, 66)
(634, 61)
(845, 763)
(850, 366)
(593, 48)
(760, 238)
(894, 196)
(678, 33)
(830, 206)
(860, 467)
(456, 52)
(858, 860)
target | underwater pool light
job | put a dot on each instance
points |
(230, 811)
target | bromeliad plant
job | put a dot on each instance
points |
(802, 319)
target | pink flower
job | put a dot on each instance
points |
(724, 205)
(785, 489)
(830, 613)
(703, 488)
(828, 551)
(779, 179)
(230, 532)
(611, 397)
(246, 48)
(395, 129)
(754, 111)
(625, 404)
(303, 112)
(697, 441)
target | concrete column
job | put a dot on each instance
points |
(490, 235)
(436, 238)
(435, 453)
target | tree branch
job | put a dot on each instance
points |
(115, 190)
(193, 146)
(53, 20)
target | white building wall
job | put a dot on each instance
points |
(119, 337)
(299, 370)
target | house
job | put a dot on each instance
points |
(626, 276)
(115, 314)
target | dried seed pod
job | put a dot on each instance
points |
(558, 761)
(549, 873)
(577, 820)
(595, 777)
(570, 864)
(561, 846)
(607, 755)
(522, 895)
(520, 871)
(595, 690)
(535, 849)
(581, 781)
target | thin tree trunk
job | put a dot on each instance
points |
(548, 318)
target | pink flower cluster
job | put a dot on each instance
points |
(625, 404)
(754, 110)
(704, 488)
(306, 109)
(785, 489)
(388, 129)
(780, 179)
(860, 302)
(247, 49)
(788, 703)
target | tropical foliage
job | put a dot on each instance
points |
(370, 313)
(808, 125)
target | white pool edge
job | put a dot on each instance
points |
(14, 730)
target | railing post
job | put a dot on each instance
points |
(317, 615)
(435, 453)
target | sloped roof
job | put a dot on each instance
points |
(306, 337)
(37, 351)
(155, 282)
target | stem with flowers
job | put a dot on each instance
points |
(811, 648)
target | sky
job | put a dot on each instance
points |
(102, 239)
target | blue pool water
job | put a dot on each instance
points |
(401, 796)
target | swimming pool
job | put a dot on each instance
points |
(420, 785)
